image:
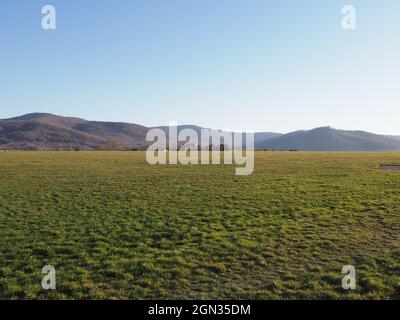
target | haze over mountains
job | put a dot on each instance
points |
(43, 131)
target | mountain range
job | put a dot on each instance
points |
(44, 131)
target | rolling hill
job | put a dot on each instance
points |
(329, 139)
(44, 131)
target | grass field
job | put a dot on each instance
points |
(115, 227)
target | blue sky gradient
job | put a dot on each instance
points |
(278, 65)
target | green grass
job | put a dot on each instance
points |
(115, 227)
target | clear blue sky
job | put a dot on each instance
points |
(267, 65)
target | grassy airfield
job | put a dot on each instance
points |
(115, 227)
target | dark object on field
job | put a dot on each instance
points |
(390, 167)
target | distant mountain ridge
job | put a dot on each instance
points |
(329, 139)
(44, 131)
